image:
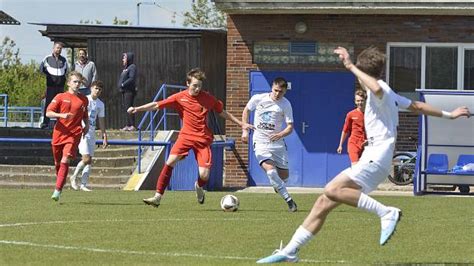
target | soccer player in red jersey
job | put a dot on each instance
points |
(70, 110)
(193, 106)
(354, 126)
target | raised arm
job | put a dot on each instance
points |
(228, 116)
(146, 107)
(366, 81)
(427, 109)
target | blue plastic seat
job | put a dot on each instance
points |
(437, 163)
(463, 159)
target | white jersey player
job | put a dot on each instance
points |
(272, 112)
(96, 110)
(352, 185)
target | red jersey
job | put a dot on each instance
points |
(354, 125)
(193, 111)
(68, 130)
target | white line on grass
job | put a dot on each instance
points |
(134, 220)
(132, 252)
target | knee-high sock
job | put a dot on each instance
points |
(201, 182)
(300, 238)
(61, 176)
(278, 184)
(85, 174)
(164, 179)
(56, 167)
(371, 205)
(79, 167)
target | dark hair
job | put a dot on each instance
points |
(361, 93)
(371, 61)
(60, 43)
(280, 82)
(195, 73)
(98, 84)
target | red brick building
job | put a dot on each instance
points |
(429, 45)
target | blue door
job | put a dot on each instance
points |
(320, 101)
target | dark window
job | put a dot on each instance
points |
(469, 70)
(441, 68)
(405, 68)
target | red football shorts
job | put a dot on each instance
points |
(355, 149)
(65, 150)
(201, 148)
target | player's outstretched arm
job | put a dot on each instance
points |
(146, 107)
(228, 116)
(367, 81)
(427, 109)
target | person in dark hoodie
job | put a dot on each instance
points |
(54, 66)
(127, 86)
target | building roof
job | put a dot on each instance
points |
(358, 7)
(6, 19)
(76, 35)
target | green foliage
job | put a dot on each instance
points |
(121, 22)
(23, 83)
(205, 14)
(115, 228)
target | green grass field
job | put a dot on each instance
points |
(115, 227)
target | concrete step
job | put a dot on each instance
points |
(45, 178)
(48, 160)
(51, 185)
(46, 151)
(50, 170)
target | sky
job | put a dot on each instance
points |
(33, 46)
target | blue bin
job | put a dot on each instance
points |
(185, 172)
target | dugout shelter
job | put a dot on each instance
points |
(445, 146)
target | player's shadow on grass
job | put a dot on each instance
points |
(107, 203)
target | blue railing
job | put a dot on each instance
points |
(4, 116)
(150, 117)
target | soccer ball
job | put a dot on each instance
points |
(230, 203)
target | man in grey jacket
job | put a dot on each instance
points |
(87, 69)
(128, 87)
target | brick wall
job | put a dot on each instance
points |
(359, 31)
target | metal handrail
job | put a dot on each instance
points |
(5, 109)
(150, 117)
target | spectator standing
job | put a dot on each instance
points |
(127, 86)
(87, 69)
(54, 66)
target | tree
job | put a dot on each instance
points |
(8, 55)
(23, 83)
(121, 22)
(204, 14)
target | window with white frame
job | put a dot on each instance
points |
(446, 66)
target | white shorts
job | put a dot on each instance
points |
(368, 175)
(270, 151)
(87, 146)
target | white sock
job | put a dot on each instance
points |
(300, 238)
(371, 205)
(278, 184)
(79, 167)
(157, 195)
(85, 175)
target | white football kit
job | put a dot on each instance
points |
(269, 118)
(96, 108)
(381, 121)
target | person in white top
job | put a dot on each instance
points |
(352, 185)
(96, 110)
(272, 111)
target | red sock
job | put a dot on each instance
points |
(56, 166)
(201, 182)
(164, 179)
(61, 176)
